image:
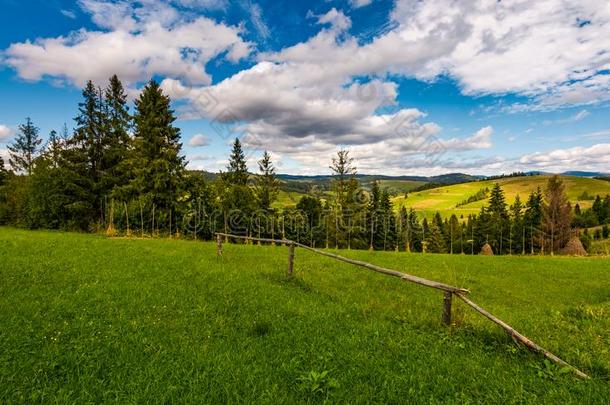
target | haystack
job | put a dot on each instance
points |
(574, 248)
(486, 250)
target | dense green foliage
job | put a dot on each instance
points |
(90, 319)
(124, 174)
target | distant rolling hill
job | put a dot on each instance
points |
(445, 199)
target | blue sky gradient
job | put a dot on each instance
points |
(482, 123)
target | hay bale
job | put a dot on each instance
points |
(486, 250)
(574, 248)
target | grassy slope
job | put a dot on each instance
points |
(84, 318)
(444, 199)
(289, 199)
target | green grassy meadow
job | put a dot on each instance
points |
(445, 199)
(87, 319)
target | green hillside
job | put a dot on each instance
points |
(445, 199)
(85, 319)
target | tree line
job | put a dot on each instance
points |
(123, 173)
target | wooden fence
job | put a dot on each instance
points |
(448, 290)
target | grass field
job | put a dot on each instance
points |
(86, 319)
(445, 199)
(287, 199)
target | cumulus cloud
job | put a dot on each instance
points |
(5, 132)
(303, 101)
(138, 43)
(199, 140)
(594, 158)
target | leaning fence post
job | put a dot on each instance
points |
(219, 245)
(447, 308)
(290, 259)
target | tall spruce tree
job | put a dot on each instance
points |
(374, 222)
(3, 172)
(237, 170)
(159, 167)
(267, 185)
(435, 242)
(517, 227)
(499, 219)
(25, 148)
(87, 145)
(344, 185)
(533, 220)
(557, 215)
(388, 221)
(118, 123)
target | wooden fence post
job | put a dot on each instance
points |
(290, 259)
(447, 308)
(219, 245)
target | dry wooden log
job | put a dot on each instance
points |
(403, 276)
(449, 291)
(518, 337)
(284, 241)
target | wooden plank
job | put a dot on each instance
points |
(449, 291)
(390, 272)
(518, 337)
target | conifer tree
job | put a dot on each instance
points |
(388, 221)
(453, 230)
(3, 172)
(344, 185)
(237, 170)
(414, 230)
(117, 124)
(159, 166)
(344, 172)
(25, 148)
(517, 228)
(557, 214)
(532, 220)
(267, 184)
(499, 219)
(373, 220)
(435, 242)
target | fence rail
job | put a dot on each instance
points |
(448, 290)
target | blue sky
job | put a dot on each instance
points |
(408, 87)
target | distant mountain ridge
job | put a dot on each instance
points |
(449, 178)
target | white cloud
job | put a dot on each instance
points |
(141, 42)
(359, 3)
(68, 13)
(256, 17)
(5, 132)
(303, 101)
(594, 158)
(336, 19)
(203, 4)
(480, 140)
(573, 118)
(199, 140)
